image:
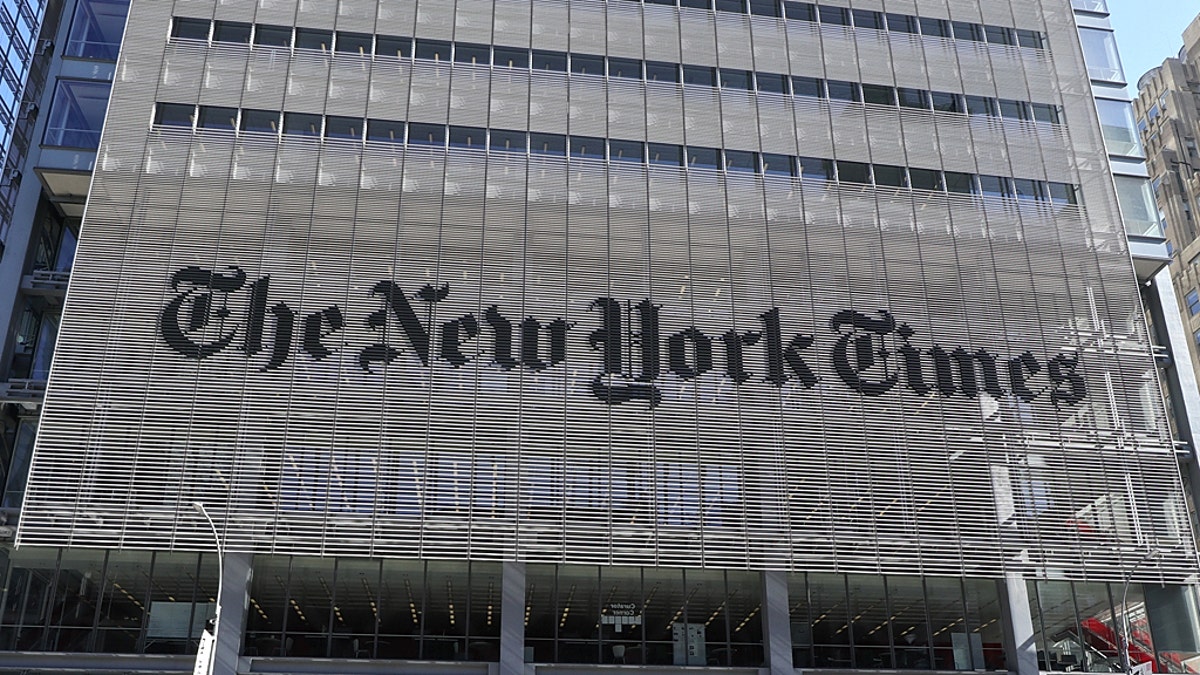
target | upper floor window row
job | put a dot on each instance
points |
(871, 19)
(365, 44)
(274, 122)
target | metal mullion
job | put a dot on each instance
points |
(929, 650)
(332, 614)
(424, 604)
(849, 619)
(287, 597)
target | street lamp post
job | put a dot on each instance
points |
(205, 657)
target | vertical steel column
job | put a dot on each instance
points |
(777, 623)
(234, 601)
(512, 619)
(1019, 638)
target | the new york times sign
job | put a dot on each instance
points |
(634, 343)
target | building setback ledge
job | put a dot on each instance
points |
(96, 663)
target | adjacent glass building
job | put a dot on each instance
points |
(576, 335)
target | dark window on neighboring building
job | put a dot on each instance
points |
(426, 134)
(913, 98)
(301, 124)
(385, 130)
(548, 144)
(934, 27)
(765, 7)
(854, 172)
(704, 158)
(981, 105)
(309, 38)
(1193, 302)
(843, 91)
(902, 23)
(967, 31)
(779, 165)
(545, 60)
(476, 54)
(585, 146)
(344, 127)
(662, 153)
(626, 151)
(272, 36)
(878, 94)
(434, 50)
(946, 102)
(740, 160)
(838, 16)
(815, 167)
(656, 71)
(190, 29)
(212, 117)
(1000, 35)
(260, 120)
(702, 75)
(393, 46)
(961, 183)
(174, 114)
(995, 186)
(629, 68)
(1196, 338)
(925, 179)
(587, 65)
(770, 82)
(801, 11)
(865, 18)
(467, 137)
(508, 141)
(355, 43)
(1063, 193)
(511, 57)
(891, 176)
(737, 79)
(807, 86)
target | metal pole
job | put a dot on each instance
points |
(199, 507)
(1126, 641)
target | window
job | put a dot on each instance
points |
(800, 11)
(1118, 127)
(854, 172)
(189, 29)
(864, 18)
(981, 105)
(736, 79)
(584, 146)
(426, 134)
(309, 38)
(1100, 52)
(778, 165)
(548, 144)
(960, 183)
(967, 31)
(838, 16)
(467, 137)
(77, 114)
(1044, 112)
(704, 158)
(902, 23)
(815, 167)
(740, 160)
(355, 43)
(390, 46)
(544, 60)
(1196, 338)
(661, 153)
(510, 57)
(913, 98)
(507, 141)
(629, 68)
(944, 102)
(1063, 193)
(890, 176)
(1028, 189)
(434, 50)
(301, 124)
(844, 91)
(701, 75)
(999, 35)
(473, 54)
(1138, 209)
(212, 117)
(386, 131)
(1193, 302)
(925, 179)
(97, 26)
(765, 7)
(1030, 38)
(657, 71)
(1016, 110)
(587, 65)
(174, 114)
(878, 94)
(350, 128)
(272, 36)
(776, 84)
(934, 27)
(808, 86)
(626, 151)
(260, 120)
(995, 186)
(231, 31)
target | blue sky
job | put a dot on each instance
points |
(1148, 31)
